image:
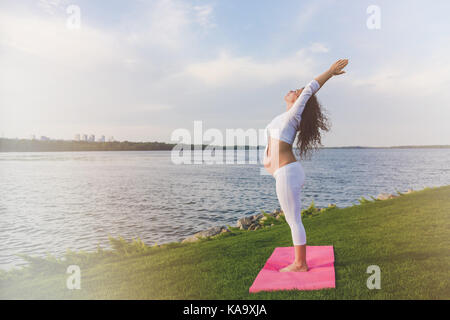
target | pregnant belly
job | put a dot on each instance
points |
(283, 155)
(268, 165)
(267, 158)
(266, 161)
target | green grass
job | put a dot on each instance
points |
(407, 237)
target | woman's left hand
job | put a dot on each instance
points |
(336, 68)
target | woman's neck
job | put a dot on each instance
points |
(289, 105)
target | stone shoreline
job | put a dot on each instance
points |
(257, 221)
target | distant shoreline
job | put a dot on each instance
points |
(26, 145)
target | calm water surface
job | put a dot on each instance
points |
(53, 201)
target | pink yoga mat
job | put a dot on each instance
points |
(320, 260)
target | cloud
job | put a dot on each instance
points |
(52, 6)
(170, 24)
(162, 30)
(245, 71)
(204, 16)
(305, 15)
(318, 47)
(406, 77)
(50, 39)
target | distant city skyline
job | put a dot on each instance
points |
(142, 69)
(91, 137)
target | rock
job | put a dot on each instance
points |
(409, 191)
(255, 226)
(190, 239)
(272, 225)
(383, 196)
(278, 217)
(275, 212)
(206, 233)
(258, 216)
(210, 232)
(244, 223)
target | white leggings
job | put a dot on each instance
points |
(289, 183)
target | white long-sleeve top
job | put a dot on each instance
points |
(284, 127)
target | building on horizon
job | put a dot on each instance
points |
(44, 138)
(85, 137)
(111, 139)
(77, 137)
(92, 138)
(102, 139)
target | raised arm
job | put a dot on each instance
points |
(295, 112)
(335, 69)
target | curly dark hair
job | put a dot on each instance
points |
(313, 120)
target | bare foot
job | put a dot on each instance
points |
(294, 267)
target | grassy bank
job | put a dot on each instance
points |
(407, 237)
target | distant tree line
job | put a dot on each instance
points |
(24, 145)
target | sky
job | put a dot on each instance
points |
(138, 70)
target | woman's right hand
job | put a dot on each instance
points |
(336, 68)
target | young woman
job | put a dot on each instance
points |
(304, 118)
